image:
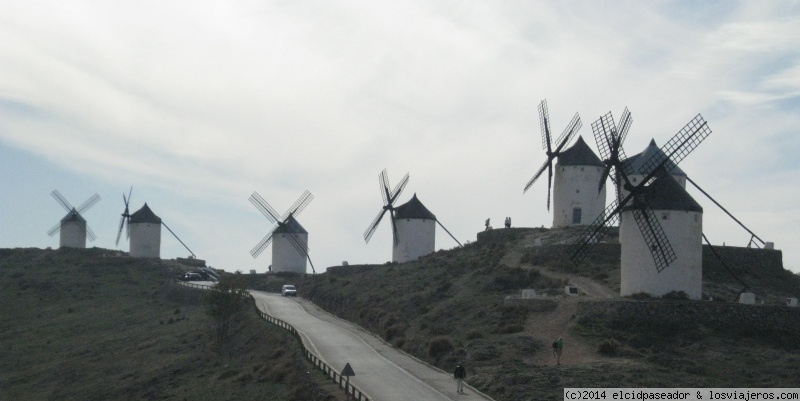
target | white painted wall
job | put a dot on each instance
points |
(684, 231)
(145, 240)
(285, 257)
(73, 234)
(576, 187)
(417, 238)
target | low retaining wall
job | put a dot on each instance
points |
(531, 304)
(718, 315)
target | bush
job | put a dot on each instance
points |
(440, 346)
(679, 295)
(608, 347)
(474, 335)
(510, 329)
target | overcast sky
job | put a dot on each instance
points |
(196, 104)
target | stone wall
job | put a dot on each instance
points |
(532, 304)
(716, 315)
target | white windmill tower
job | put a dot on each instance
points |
(289, 239)
(660, 224)
(681, 218)
(576, 200)
(413, 225)
(73, 226)
(144, 231)
(570, 177)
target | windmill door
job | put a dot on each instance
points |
(576, 215)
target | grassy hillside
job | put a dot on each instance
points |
(83, 325)
(449, 307)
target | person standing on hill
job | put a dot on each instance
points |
(460, 374)
(559, 348)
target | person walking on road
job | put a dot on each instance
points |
(559, 348)
(460, 374)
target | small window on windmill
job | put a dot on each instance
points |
(664, 215)
(581, 168)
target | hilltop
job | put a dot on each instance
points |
(87, 324)
(452, 306)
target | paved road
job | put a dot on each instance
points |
(382, 372)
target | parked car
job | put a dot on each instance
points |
(193, 277)
(288, 290)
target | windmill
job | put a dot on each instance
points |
(73, 226)
(657, 167)
(143, 230)
(547, 145)
(290, 247)
(126, 217)
(413, 225)
(389, 198)
(416, 231)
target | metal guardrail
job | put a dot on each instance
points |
(340, 380)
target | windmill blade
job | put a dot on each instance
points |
(395, 235)
(61, 200)
(129, 197)
(398, 189)
(51, 232)
(89, 233)
(536, 176)
(654, 236)
(176, 237)
(549, 183)
(298, 205)
(683, 143)
(569, 132)
(448, 233)
(596, 231)
(85, 206)
(264, 207)
(301, 246)
(383, 182)
(121, 224)
(624, 125)
(605, 135)
(544, 124)
(298, 242)
(604, 176)
(374, 225)
(263, 243)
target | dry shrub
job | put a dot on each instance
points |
(440, 346)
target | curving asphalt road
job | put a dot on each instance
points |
(382, 372)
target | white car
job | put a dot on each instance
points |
(288, 290)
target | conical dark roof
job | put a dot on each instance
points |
(579, 154)
(144, 215)
(413, 209)
(637, 161)
(73, 215)
(291, 225)
(666, 194)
